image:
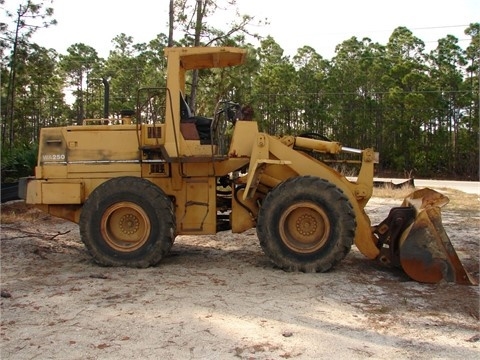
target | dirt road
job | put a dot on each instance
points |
(219, 297)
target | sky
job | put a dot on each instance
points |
(320, 24)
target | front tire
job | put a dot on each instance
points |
(127, 221)
(306, 224)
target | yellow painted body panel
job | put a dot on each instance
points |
(197, 215)
(110, 143)
(63, 193)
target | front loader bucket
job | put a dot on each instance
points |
(413, 238)
(426, 253)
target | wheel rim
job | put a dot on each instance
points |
(304, 227)
(125, 226)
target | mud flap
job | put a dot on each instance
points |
(413, 238)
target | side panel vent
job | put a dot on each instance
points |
(158, 168)
(154, 132)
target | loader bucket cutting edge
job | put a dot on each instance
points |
(426, 253)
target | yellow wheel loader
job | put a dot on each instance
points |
(134, 184)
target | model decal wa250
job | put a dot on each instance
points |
(134, 186)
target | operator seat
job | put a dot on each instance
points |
(202, 123)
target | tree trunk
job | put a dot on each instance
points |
(170, 24)
(198, 30)
(11, 85)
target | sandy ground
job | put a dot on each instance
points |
(219, 297)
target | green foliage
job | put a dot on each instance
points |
(419, 110)
(18, 162)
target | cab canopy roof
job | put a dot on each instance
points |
(205, 57)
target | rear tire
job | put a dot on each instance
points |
(127, 221)
(306, 224)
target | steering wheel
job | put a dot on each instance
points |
(228, 107)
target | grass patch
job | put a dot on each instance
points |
(16, 211)
(459, 200)
(387, 192)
